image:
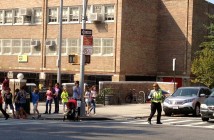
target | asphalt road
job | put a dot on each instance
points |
(97, 130)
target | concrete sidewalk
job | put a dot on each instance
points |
(125, 111)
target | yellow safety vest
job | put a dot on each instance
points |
(157, 96)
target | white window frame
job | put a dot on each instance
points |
(37, 15)
(109, 12)
(8, 17)
(1, 17)
(6, 46)
(53, 15)
(64, 47)
(17, 17)
(75, 14)
(52, 50)
(102, 47)
(26, 45)
(65, 14)
(0, 46)
(15, 45)
(73, 44)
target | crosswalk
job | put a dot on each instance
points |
(175, 121)
(14, 122)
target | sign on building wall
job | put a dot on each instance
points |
(22, 58)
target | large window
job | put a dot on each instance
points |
(65, 15)
(18, 47)
(53, 15)
(73, 46)
(103, 46)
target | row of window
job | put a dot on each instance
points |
(71, 14)
(101, 46)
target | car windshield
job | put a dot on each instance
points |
(212, 94)
(185, 92)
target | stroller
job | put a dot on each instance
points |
(71, 113)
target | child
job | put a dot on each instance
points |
(64, 97)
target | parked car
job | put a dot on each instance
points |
(207, 108)
(185, 100)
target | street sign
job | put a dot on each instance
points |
(87, 41)
(88, 51)
(86, 32)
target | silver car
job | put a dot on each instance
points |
(185, 100)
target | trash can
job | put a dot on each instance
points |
(108, 99)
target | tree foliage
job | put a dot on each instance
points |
(203, 64)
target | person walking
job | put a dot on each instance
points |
(93, 99)
(8, 97)
(35, 101)
(64, 97)
(21, 99)
(156, 96)
(77, 95)
(2, 110)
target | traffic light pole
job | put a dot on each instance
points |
(82, 57)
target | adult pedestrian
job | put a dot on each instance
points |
(56, 94)
(64, 97)
(77, 95)
(17, 104)
(5, 85)
(93, 99)
(21, 97)
(35, 101)
(2, 110)
(49, 98)
(156, 96)
(8, 97)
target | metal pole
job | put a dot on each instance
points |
(60, 43)
(173, 68)
(82, 59)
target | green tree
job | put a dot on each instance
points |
(203, 64)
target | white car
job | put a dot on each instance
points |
(185, 100)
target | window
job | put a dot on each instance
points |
(1, 17)
(26, 48)
(103, 46)
(51, 50)
(8, 16)
(74, 14)
(107, 46)
(53, 14)
(109, 12)
(64, 44)
(97, 9)
(0, 46)
(96, 46)
(17, 18)
(38, 15)
(6, 46)
(16, 46)
(73, 46)
(65, 15)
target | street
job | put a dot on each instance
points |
(177, 128)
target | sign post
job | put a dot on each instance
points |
(173, 69)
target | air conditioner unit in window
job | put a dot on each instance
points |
(25, 12)
(50, 43)
(95, 17)
(35, 43)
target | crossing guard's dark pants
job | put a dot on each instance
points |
(154, 107)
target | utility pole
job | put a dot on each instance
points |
(60, 44)
(173, 69)
(82, 58)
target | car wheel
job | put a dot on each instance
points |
(205, 119)
(168, 113)
(197, 110)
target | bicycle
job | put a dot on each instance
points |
(132, 95)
